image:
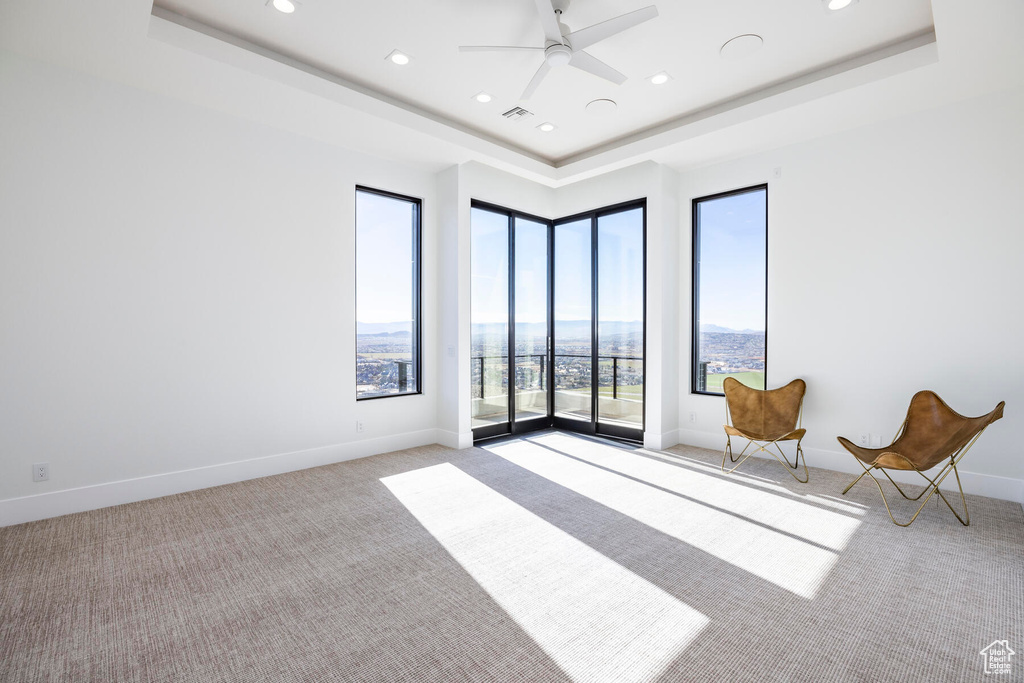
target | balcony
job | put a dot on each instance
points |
(620, 380)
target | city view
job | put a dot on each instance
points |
(384, 358)
(620, 354)
(730, 353)
(731, 230)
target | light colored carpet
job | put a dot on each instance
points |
(549, 558)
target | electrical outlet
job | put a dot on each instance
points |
(41, 471)
(863, 441)
(693, 417)
(360, 426)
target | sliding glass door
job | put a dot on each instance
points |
(510, 364)
(620, 318)
(558, 322)
(490, 303)
(530, 291)
(574, 327)
(599, 321)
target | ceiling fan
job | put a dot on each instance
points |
(564, 47)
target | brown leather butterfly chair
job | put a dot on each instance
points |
(764, 418)
(931, 433)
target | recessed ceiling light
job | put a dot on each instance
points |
(398, 57)
(286, 6)
(659, 78)
(741, 46)
(546, 127)
(601, 106)
(836, 5)
(482, 97)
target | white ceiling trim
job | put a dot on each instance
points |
(907, 55)
(182, 32)
(188, 34)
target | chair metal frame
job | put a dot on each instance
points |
(934, 482)
(764, 444)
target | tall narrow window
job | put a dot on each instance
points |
(489, 316)
(387, 294)
(730, 289)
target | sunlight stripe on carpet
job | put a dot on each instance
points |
(788, 562)
(780, 510)
(597, 620)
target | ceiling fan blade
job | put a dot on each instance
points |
(548, 20)
(496, 48)
(593, 65)
(585, 37)
(535, 81)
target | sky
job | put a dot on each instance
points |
(732, 268)
(732, 261)
(620, 268)
(384, 258)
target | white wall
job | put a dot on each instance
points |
(177, 292)
(659, 185)
(177, 289)
(894, 255)
(460, 185)
(457, 188)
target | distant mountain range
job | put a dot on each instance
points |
(567, 329)
(717, 329)
(380, 329)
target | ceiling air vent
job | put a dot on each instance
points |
(517, 114)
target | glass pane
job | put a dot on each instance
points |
(386, 295)
(731, 294)
(489, 317)
(573, 320)
(531, 307)
(620, 308)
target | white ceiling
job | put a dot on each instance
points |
(974, 49)
(350, 40)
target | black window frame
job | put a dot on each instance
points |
(695, 288)
(514, 426)
(593, 426)
(417, 248)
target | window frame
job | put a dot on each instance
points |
(593, 426)
(417, 250)
(484, 432)
(695, 282)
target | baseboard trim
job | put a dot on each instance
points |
(67, 501)
(661, 441)
(458, 440)
(989, 485)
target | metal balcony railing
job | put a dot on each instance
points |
(543, 360)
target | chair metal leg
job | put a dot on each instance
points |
(785, 461)
(854, 482)
(963, 499)
(741, 458)
(763, 447)
(930, 490)
(902, 492)
(728, 447)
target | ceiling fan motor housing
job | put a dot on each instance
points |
(558, 54)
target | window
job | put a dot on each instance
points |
(730, 289)
(387, 294)
(558, 321)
